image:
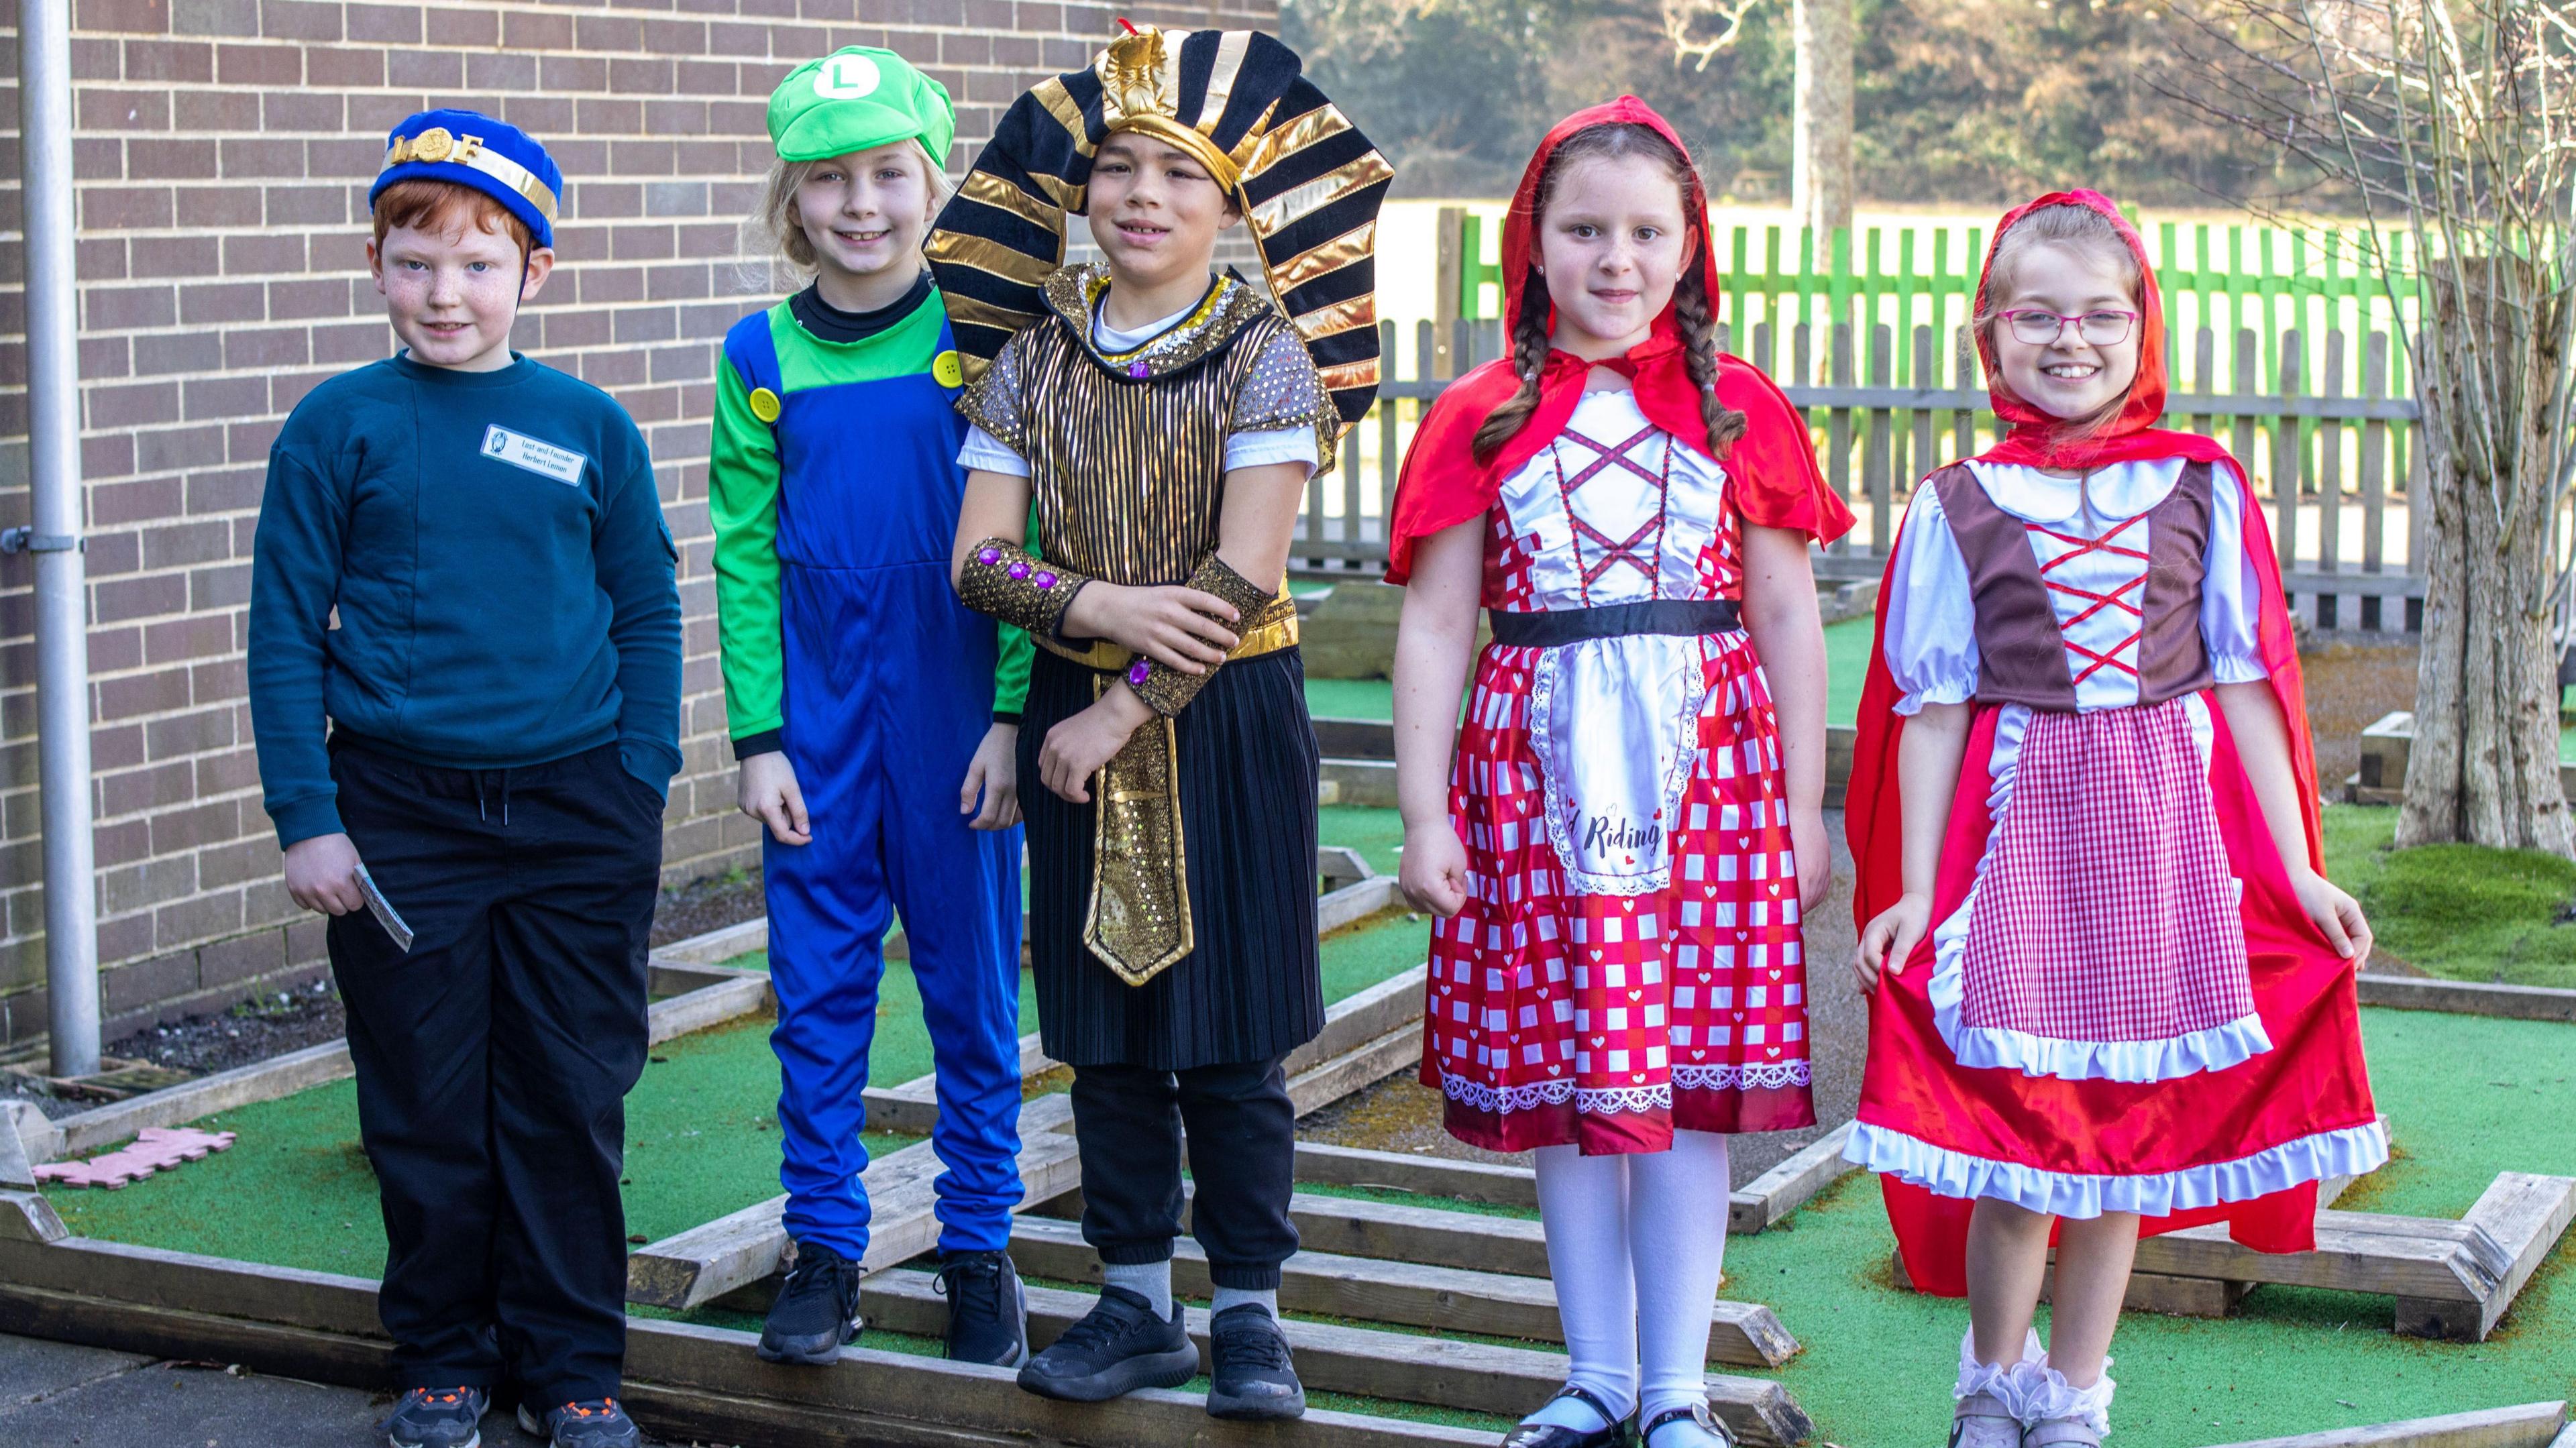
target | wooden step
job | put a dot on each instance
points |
(682, 1380)
(2529, 1425)
(1392, 1232)
(1404, 1294)
(1440, 1372)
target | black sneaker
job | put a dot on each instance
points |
(438, 1418)
(988, 1314)
(817, 1311)
(598, 1423)
(1251, 1376)
(1116, 1348)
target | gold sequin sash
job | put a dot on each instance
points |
(1139, 920)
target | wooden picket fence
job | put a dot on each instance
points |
(2331, 458)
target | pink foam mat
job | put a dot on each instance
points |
(154, 1149)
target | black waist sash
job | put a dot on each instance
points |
(1687, 617)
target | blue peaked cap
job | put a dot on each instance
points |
(468, 148)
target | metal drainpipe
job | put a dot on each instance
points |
(54, 487)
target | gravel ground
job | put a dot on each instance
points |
(1399, 1114)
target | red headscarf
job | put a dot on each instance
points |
(1872, 819)
(1771, 468)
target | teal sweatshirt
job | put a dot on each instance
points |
(494, 547)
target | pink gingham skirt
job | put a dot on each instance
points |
(2105, 938)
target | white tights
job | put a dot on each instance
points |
(1635, 1243)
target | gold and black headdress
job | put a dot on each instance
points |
(1308, 182)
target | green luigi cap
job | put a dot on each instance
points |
(855, 99)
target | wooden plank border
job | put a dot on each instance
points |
(1439, 1372)
(322, 1327)
(2468, 998)
(2528, 1425)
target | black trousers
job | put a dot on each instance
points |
(1243, 1162)
(493, 1060)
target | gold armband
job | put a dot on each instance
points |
(1002, 580)
(1168, 690)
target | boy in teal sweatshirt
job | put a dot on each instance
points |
(485, 738)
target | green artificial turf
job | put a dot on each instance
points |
(701, 1137)
(1350, 698)
(2460, 911)
(1378, 834)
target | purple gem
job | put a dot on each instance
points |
(1136, 369)
(1137, 672)
(989, 557)
(1019, 571)
(1044, 580)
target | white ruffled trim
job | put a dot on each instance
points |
(2214, 1048)
(1752, 1076)
(2345, 1151)
(2033, 1391)
(1503, 1100)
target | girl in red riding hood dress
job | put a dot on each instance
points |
(2113, 989)
(1620, 845)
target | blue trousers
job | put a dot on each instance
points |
(884, 710)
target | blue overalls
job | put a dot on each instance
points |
(887, 690)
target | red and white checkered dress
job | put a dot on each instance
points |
(1618, 972)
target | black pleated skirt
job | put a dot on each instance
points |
(1251, 989)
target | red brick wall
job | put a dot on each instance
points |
(224, 151)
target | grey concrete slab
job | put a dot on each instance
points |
(32, 1369)
(116, 1399)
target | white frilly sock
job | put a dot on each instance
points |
(2031, 1390)
(1583, 1200)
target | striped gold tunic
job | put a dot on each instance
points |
(1126, 450)
(1196, 857)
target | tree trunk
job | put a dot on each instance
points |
(1820, 184)
(2483, 767)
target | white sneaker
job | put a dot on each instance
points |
(2070, 1432)
(1984, 1422)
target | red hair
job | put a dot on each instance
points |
(448, 209)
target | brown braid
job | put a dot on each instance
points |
(1699, 356)
(1529, 355)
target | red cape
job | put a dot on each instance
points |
(1931, 1230)
(1771, 470)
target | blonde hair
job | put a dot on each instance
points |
(776, 256)
(1694, 311)
(2079, 229)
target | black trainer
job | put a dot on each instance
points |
(598, 1423)
(1251, 1376)
(438, 1418)
(1116, 1348)
(817, 1311)
(988, 1313)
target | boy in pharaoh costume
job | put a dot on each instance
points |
(1164, 421)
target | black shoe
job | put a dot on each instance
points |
(598, 1423)
(1551, 1435)
(1252, 1377)
(1116, 1348)
(817, 1311)
(988, 1314)
(1695, 1413)
(438, 1418)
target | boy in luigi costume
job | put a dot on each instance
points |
(874, 718)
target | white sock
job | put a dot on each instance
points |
(1676, 1248)
(2050, 1395)
(1267, 1299)
(1149, 1280)
(1584, 1203)
(2010, 1384)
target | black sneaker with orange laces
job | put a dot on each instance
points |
(438, 1418)
(598, 1423)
